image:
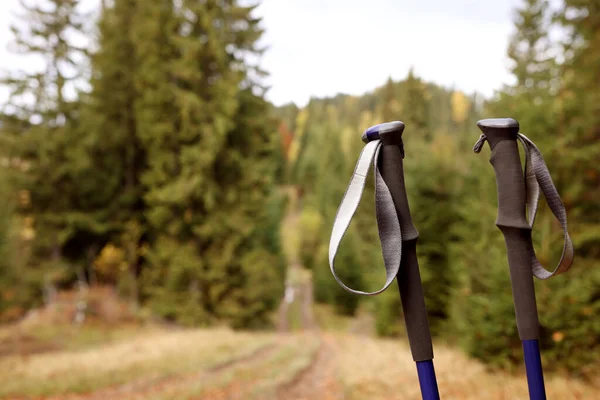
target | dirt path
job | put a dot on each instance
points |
(319, 380)
(283, 324)
(307, 316)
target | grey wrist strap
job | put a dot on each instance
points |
(538, 177)
(387, 218)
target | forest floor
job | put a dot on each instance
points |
(313, 355)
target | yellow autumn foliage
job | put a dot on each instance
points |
(460, 107)
(110, 262)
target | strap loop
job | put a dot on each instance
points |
(537, 176)
(479, 144)
(387, 218)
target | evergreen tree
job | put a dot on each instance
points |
(390, 105)
(579, 123)
(40, 130)
(116, 157)
(531, 99)
(415, 107)
(16, 292)
(210, 167)
(431, 186)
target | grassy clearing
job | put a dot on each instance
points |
(157, 354)
(383, 369)
(24, 340)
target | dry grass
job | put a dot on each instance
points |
(156, 355)
(164, 365)
(383, 369)
(25, 340)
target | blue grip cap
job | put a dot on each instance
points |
(374, 132)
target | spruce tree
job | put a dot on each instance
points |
(415, 107)
(390, 105)
(210, 175)
(113, 146)
(531, 100)
(579, 121)
(40, 124)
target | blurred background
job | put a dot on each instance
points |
(170, 171)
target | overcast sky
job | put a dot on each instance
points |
(323, 47)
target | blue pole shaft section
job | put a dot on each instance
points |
(533, 366)
(427, 380)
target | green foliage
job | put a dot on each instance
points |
(349, 271)
(41, 135)
(162, 180)
(211, 168)
(310, 225)
(433, 181)
(482, 313)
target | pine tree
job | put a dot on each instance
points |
(210, 167)
(45, 34)
(11, 286)
(531, 99)
(415, 107)
(41, 129)
(579, 123)
(431, 188)
(113, 146)
(390, 105)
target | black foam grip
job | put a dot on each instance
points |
(409, 278)
(517, 233)
(510, 184)
(392, 171)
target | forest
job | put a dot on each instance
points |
(166, 177)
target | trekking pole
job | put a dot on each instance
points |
(398, 238)
(518, 193)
